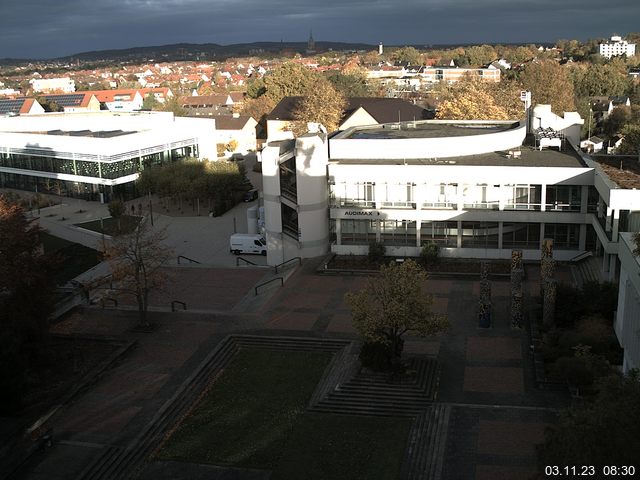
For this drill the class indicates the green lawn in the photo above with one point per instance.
(324, 446)
(72, 258)
(112, 226)
(254, 416)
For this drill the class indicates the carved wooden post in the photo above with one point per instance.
(549, 302)
(484, 305)
(517, 274)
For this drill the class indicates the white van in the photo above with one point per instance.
(247, 243)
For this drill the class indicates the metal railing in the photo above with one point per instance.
(248, 262)
(191, 260)
(268, 282)
(178, 302)
(287, 262)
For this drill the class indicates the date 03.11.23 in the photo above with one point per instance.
(607, 471)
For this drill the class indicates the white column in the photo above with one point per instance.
(616, 223)
(543, 197)
(584, 199)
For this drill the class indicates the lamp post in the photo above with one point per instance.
(150, 208)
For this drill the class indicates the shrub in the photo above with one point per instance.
(377, 252)
(429, 254)
(378, 355)
(116, 208)
(574, 371)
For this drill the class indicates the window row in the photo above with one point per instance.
(445, 234)
(449, 195)
(84, 168)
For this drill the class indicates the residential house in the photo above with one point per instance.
(74, 102)
(592, 144)
(360, 111)
(239, 128)
(121, 100)
(19, 106)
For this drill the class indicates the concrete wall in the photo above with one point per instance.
(627, 320)
(445, 147)
(311, 176)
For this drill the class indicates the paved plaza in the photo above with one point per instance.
(497, 413)
(497, 417)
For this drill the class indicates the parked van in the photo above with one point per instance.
(247, 243)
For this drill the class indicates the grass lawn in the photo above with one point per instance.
(112, 226)
(247, 416)
(254, 416)
(324, 446)
(74, 258)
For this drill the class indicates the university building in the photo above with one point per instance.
(478, 189)
(96, 155)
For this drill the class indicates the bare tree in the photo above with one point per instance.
(136, 262)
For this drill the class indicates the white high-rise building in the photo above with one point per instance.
(616, 47)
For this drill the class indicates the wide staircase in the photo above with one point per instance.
(587, 270)
(374, 393)
(344, 389)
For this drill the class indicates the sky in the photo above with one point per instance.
(55, 28)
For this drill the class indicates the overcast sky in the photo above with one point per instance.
(54, 28)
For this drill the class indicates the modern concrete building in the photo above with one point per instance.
(477, 189)
(627, 321)
(96, 155)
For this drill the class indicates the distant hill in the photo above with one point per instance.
(211, 51)
(214, 51)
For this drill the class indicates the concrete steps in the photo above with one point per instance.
(588, 270)
(426, 445)
(371, 393)
(121, 462)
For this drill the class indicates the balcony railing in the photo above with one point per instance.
(441, 205)
(562, 207)
(398, 205)
(482, 206)
(523, 206)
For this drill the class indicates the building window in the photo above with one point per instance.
(565, 235)
(521, 235)
(398, 195)
(290, 221)
(479, 234)
(481, 196)
(398, 232)
(564, 198)
(353, 195)
(357, 232)
(444, 234)
(442, 195)
(523, 197)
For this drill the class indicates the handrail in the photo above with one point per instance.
(289, 261)
(249, 262)
(268, 282)
(173, 305)
(191, 260)
(581, 256)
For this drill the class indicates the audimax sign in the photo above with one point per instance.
(361, 213)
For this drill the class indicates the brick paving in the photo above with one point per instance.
(497, 413)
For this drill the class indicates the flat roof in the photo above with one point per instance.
(427, 129)
(529, 157)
